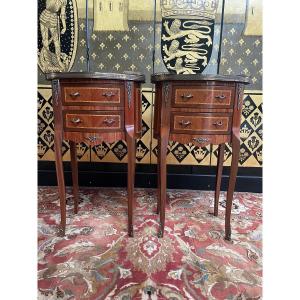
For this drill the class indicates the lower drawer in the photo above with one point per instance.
(203, 123)
(94, 138)
(93, 121)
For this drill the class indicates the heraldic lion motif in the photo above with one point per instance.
(187, 34)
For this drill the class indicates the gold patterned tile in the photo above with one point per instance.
(178, 154)
(251, 133)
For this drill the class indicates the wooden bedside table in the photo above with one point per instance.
(95, 107)
(199, 109)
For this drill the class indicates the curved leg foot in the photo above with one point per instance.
(130, 231)
(228, 235)
(160, 232)
(61, 231)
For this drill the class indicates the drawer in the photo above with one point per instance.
(206, 97)
(202, 123)
(94, 138)
(110, 95)
(93, 121)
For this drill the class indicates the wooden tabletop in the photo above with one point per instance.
(131, 76)
(198, 77)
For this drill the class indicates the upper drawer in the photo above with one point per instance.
(204, 123)
(93, 121)
(205, 97)
(107, 95)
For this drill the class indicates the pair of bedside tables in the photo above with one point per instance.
(97, 107)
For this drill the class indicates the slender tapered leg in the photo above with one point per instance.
(163, 144)
(74, 166)
(219, 177)
(134, 164)
(231, 186)
(60, 182)
(158, 179)
(130, 180)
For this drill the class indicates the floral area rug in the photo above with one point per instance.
(97, 260)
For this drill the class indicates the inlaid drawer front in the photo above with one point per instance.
(201, 123)
(219, 97)
(94, 138)
(102, 95)
(93, 121)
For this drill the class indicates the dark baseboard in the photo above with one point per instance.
(179, 177)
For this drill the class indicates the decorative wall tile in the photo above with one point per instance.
(146, 151)
(46, 130)
(242, 55)
(144, 145)
(251, 133)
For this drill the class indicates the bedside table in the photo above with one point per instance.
(199, 109)
(92, 108)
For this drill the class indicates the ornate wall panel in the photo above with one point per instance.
(57, 34)
(187, 34)
(130, 48)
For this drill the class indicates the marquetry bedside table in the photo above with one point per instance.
(95, 107)
(199, 109)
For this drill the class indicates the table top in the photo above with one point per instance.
(198, 77)
(126, 76)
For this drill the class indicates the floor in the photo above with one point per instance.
(96, 259)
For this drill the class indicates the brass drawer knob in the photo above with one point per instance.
(76, 94)
(187, 97)
(220, 97)
(185, 123)
(109, 122)
(108, 94)
(76, 120)
(219, 123)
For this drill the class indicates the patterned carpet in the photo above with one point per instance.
(96, 259)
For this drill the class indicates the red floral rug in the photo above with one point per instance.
(96, 259)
